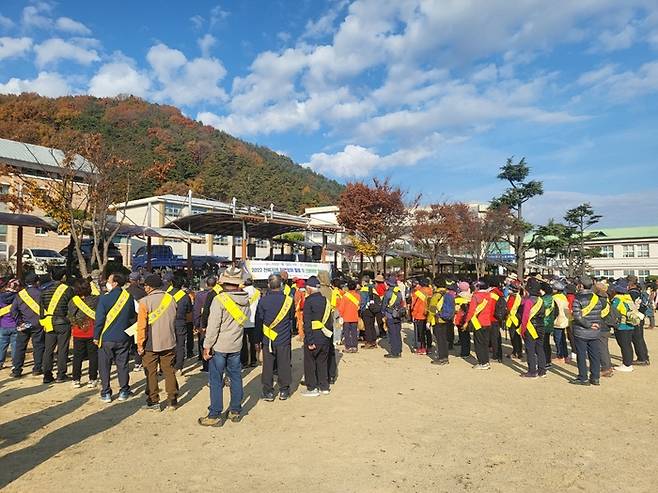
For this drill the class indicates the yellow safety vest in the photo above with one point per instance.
(217, 288)
(254, 297)
(394, 296)
(29, 301)
(84, 307)
(533, 313)
(478, 309)
(179, 295)
(268, 330)
(512, 317)
(336, 296)
(154, 315)
(5, 310)
(232, 308)
(322, 324)
(590, 306)
(94, 289)
(114, 313)
(47, 321)
(352, 298)
(286, 290)
(419, 294)
(435, 307)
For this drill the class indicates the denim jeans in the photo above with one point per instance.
(588, 349)
(7, 338)
(38, 345)
(216, 367)
(560, 338)
(394, 334)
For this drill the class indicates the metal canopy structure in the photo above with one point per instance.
(24, 220)
(165, 233)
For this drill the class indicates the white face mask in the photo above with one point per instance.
(109, 286)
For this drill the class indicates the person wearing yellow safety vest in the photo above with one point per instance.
(248, 354)
(532, 329)
(479, 318)
(326, 291)
(348, 310)
(590, 312)
(337, 292)
(53, 311)
(370, 309)
(318, 339)
(420, 298)
(8, 322)
(200, 311)
(115, 312)
(562, 320)
(462, 302)
(221, 347)
(26, 311)
(82, 312)
(624, 309)
(513, 321)
(184, 334)
(440, 317)
(274, 321)
(393, 306)
(156, 341)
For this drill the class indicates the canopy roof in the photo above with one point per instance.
(26, 220)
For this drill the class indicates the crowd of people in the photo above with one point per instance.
(157, 322)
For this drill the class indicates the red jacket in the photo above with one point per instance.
(486, 315)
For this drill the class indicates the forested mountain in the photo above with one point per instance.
(183, 153)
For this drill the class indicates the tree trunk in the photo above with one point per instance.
(520, 252)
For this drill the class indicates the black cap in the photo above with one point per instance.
(153, 281)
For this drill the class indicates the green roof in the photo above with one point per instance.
(624, 233)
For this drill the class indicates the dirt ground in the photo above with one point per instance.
(388, 425)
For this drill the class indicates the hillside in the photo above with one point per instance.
(208, 161)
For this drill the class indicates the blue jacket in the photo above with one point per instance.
(387, 310)
(23, 313)
(267, 310)
(126, 317)
(314, 307)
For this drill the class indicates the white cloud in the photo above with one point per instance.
(217, 14)
(197, 21)
(71, 26)
(6, 22)
(186, 81)
(13, 47)
(614, 41)
(119, 77)
(34, 15)
(55, 49)
(620, 87)
(49, 84)
(206, 44)
(325, 24)
(597, 75)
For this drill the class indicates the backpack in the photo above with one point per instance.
(500, 310)
(375, 305)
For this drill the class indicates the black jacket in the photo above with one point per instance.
(314, 308)
(60, 315)
(268, 308)
(582, 324)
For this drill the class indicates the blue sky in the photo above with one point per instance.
(434, 94)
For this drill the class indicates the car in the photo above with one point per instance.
(87, 246)
(41, 259)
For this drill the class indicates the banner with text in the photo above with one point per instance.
(261, 269)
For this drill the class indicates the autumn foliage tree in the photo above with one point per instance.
(377, 215)
(483, 232)
(440, 229)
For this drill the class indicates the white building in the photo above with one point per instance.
(626, 251)
(160, 210)
(324, 216)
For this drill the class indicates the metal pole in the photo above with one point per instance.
(384, 262)
(324, 246)
(19, 253)
(404, 267)
(244, 241)
(149, 267)
(190, 267)
(361, 264)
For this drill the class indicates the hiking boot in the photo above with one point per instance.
(173, 405)
(607, 373)
(106, 399)
(284, 395)
(234, 416)
(37, 373)
(61, 379)
(211, 421)
(594, 381)
(124, 396)
(641, 363)
(76, 384)
(15, 374)
(269, 397)
(48, 379)
(152, 406)
(578, 381)
(392, 355)
(440, 361)
(528, 375)
(92, 384)
(311, 393)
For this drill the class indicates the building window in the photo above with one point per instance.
(629, 251)
(199, 210)
(237, 240)
(261, 244)
(221, 240)
(608, 273)
(40, 232)
(642, 250)
(607, 251)
(629, 273)
(642, 275)
(172, 210)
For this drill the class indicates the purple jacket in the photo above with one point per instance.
(7, 321)
(23, 313)
(197, 310)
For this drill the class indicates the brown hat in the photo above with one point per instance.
(232, 275)
(379, 278)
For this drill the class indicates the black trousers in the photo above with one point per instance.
(119, 354)
(548, 350)
(534, 349)
(481, 338)
(248, 351)
(85, 348)
(181, 339)
(380, 324)
(441, 336)
(281, 354)
(496, 341)
(517, 342)
(332, 367)
(315, 367)
(38, 346)
(58, 338)
(465, 343)
(625, 341)
(450, 334)
(200, 338)
(189, 340)
(419, 333)
(369, 323)
(640, 344)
